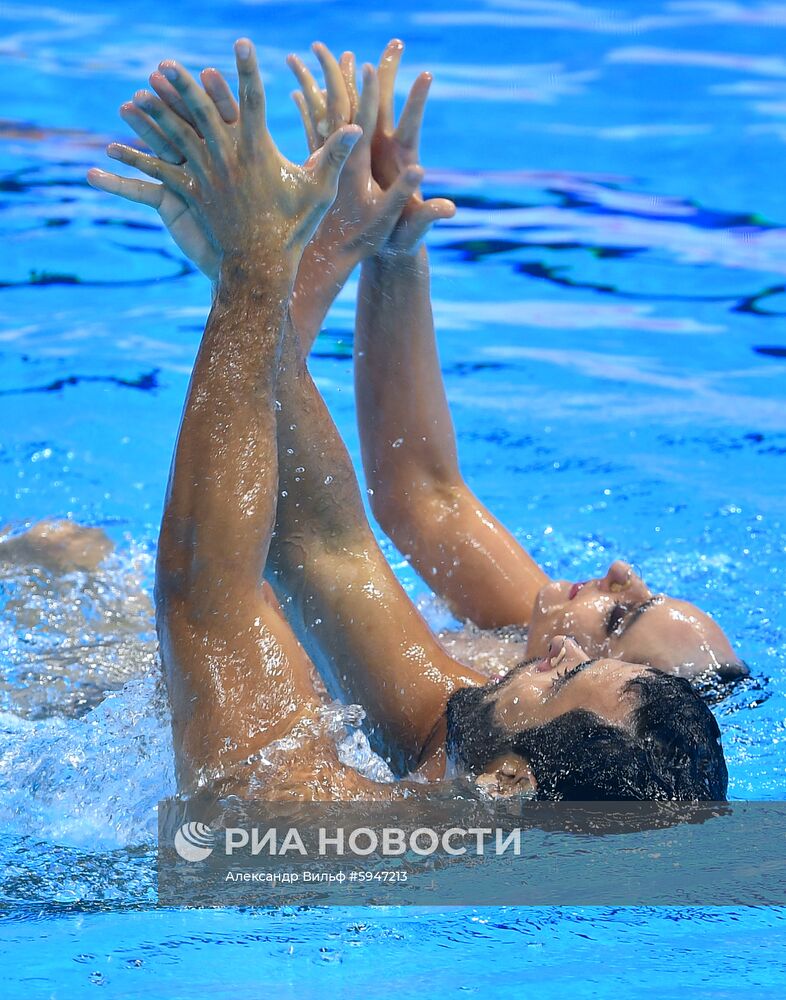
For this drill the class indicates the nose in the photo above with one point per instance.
(563, 652)
(620, 577)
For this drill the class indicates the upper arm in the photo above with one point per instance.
(369, 639)
(237, 680)
(462, 552)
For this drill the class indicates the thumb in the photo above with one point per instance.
(411, 230)
(440, 208)
(392, 205)
(330, 160)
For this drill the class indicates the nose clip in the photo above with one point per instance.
(619, 576)
(558, 650)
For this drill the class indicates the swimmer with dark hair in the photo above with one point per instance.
(416, 489)
(418, 495)
(266, 563)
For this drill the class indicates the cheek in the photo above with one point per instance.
(642, 647)
(586, 627)
(541, 628)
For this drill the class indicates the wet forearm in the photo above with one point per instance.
(406, 432)
(221, 499)
(321, 276)
(342, 597)
(409, 454)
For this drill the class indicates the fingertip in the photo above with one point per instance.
(442, 208)
(156, 79)
(350, 135)
(368, 71)
(413, 175)
(243, 49)
(395, 43)
(169, 69)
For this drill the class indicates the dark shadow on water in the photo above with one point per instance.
(147, 382)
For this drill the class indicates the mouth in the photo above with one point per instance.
(575, 588)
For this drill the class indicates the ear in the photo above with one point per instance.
(507, 775)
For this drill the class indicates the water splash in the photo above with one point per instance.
(85, 739)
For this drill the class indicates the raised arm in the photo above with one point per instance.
(418, 494)
(219, 631)
(341, 596)
(335, 583)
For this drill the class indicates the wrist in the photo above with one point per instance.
(262, 270)
(325, 264)
(392, 263)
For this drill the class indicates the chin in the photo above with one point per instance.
(551, 595)
(537, 642)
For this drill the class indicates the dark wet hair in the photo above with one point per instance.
(729, 673)
(671, 751)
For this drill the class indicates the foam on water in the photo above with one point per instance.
(85, 738)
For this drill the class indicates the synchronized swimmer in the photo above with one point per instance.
(267, 567)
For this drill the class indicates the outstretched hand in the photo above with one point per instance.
(227, 190)
(364, 214)
(394, 147)
(378, 208)
(183, 223)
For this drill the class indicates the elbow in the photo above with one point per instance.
(395, 507)
(403, 513)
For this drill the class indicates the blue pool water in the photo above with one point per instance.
(610, 299)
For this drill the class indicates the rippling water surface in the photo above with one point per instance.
(610, 299)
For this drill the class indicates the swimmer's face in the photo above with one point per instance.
(617, 616)
(537, 692)
(563, 680)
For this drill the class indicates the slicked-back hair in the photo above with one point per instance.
(671, 751)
